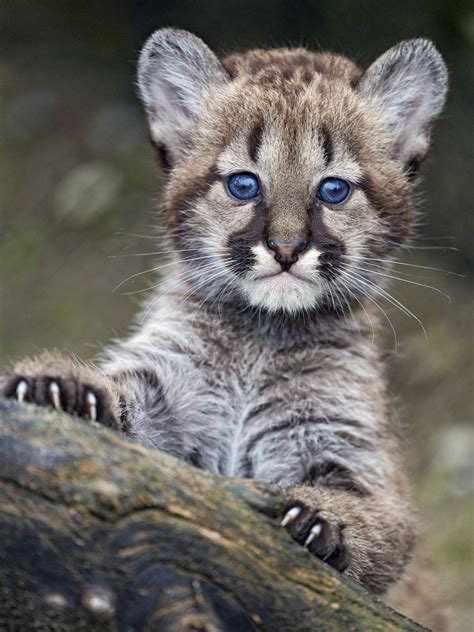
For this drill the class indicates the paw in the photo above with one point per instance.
(64, 386)
(322, 536)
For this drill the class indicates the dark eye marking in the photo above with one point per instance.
(240, 244)
(327, 144)
(196, 186)
(334, 190)
(255, 140)
(243, 186)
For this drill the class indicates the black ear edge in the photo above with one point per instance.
(163, 157)
(412, 167)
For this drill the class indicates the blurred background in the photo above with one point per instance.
(78, 186)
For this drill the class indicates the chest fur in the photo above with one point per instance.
(279, 415)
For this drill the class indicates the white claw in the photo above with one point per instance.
(314, 533)
(290, 515)
(21, 389)
(91, 401)
(55, 392)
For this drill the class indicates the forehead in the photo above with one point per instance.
(290, 64)
(290, 129)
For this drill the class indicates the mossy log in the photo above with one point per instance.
(101, 533)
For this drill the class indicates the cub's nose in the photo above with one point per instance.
(286, 250)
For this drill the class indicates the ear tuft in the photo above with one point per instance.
(176, 70)
(409, 82)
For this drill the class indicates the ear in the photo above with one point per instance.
(176, 70)
(409, 82)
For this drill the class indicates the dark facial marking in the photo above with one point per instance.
(240, 243)
(394, 209)
(331, 248)
(196, 186)
(327, 145)
(240, 253)
(255, 140)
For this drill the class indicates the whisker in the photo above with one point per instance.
(221, 295)
(388, 268)
(328, 287)
(183, 273)
(195, 289)
(445, 248)
(160, 267)
(451, 237)
(399, 263)
(340, 295)
(362, 306)
(357, 287)
(391, 299)
(123, 234)
(389, 276)
(161, 252)
(186, 276)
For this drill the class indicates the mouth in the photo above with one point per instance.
(283, 279)
(288, 291)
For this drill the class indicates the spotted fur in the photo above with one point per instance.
(247, 370)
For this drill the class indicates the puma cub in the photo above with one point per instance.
(290, 179)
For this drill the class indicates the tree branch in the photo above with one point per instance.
(101, 533)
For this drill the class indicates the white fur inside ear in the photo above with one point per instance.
(409, 83)
(176, 70)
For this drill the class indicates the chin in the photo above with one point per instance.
(282, 293)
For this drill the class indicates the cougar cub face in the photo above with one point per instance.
(286, 167)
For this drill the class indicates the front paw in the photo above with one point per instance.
(62, 385)
(319, 533)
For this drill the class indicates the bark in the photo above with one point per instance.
(101, 533)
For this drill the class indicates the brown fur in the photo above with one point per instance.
(298, 66)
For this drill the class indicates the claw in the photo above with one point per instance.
(290, 515)
(54, 391)
(314, 532)
(21, 389)
(91, 404)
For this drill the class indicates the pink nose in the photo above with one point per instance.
(286, 250)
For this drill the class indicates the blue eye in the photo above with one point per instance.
(334, 190)
(243, 186)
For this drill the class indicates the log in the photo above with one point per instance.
(99, 532)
